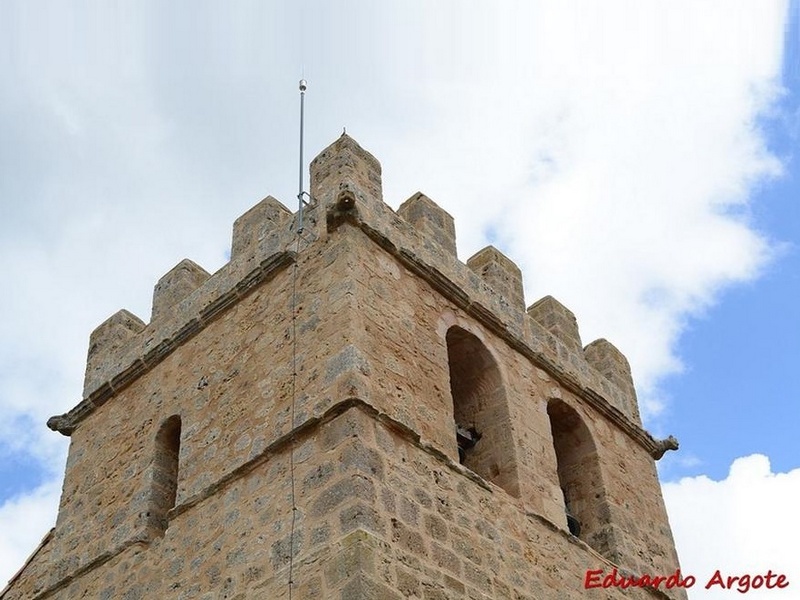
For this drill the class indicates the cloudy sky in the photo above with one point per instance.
(637, 159)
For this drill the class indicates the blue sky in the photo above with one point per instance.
(638, 162)
(740, 390)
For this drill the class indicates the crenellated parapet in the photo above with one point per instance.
(612, 364)
(107, 342)
(259, 229)
(185, 300)
(177, 284)
(344, 165)
(558, 320)
(429, 219)
(346, 188)
(501, 274)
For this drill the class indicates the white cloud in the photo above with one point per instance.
(744, 524)
(613, 148)
(24, 520)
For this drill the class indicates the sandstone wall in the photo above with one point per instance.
(380, 516)
(364, 433)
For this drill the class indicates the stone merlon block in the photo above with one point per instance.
(256, 225)
(110, 335)
(432, 221)
(345, 162)
(558, 320)
(612, 364)
(501, 274)
(179, 282)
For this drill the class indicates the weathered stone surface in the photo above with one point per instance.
(430, 220)
(345, 164)
(558, 320)
(502, 275)
(258, 227)
(174, 286)
(318, 396)
(612, 364)
(106, 340)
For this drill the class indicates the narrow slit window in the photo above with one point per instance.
(165, 473)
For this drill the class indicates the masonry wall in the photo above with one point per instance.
(403, 340)
(381, 516)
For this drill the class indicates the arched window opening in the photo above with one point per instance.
(164, 488)
(579, 476)
(480, 411)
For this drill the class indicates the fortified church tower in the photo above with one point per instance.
(351, 413)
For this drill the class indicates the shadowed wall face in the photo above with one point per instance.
(580, 478)
(164, 483)
(480, 406)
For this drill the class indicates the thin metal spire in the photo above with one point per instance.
(300, 202)
(300, 191)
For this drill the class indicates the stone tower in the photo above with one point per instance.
(351, 413)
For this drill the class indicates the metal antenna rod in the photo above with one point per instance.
(303, 86)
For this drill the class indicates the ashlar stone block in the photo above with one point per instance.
(612, 364)
(345, 164)
(501, 274)
(180, 281)
(558, 320)
(431, 220)
(253, 227)
(111, 335)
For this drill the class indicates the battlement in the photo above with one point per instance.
(346, 187)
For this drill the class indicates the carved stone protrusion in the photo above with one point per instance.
(558, 320)
(500, 273)
(345, 161)
(345, 205)
(669, 443)
(612, 364)
(106, 339)
(431, 220)
(175, 285)
(254, 226)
